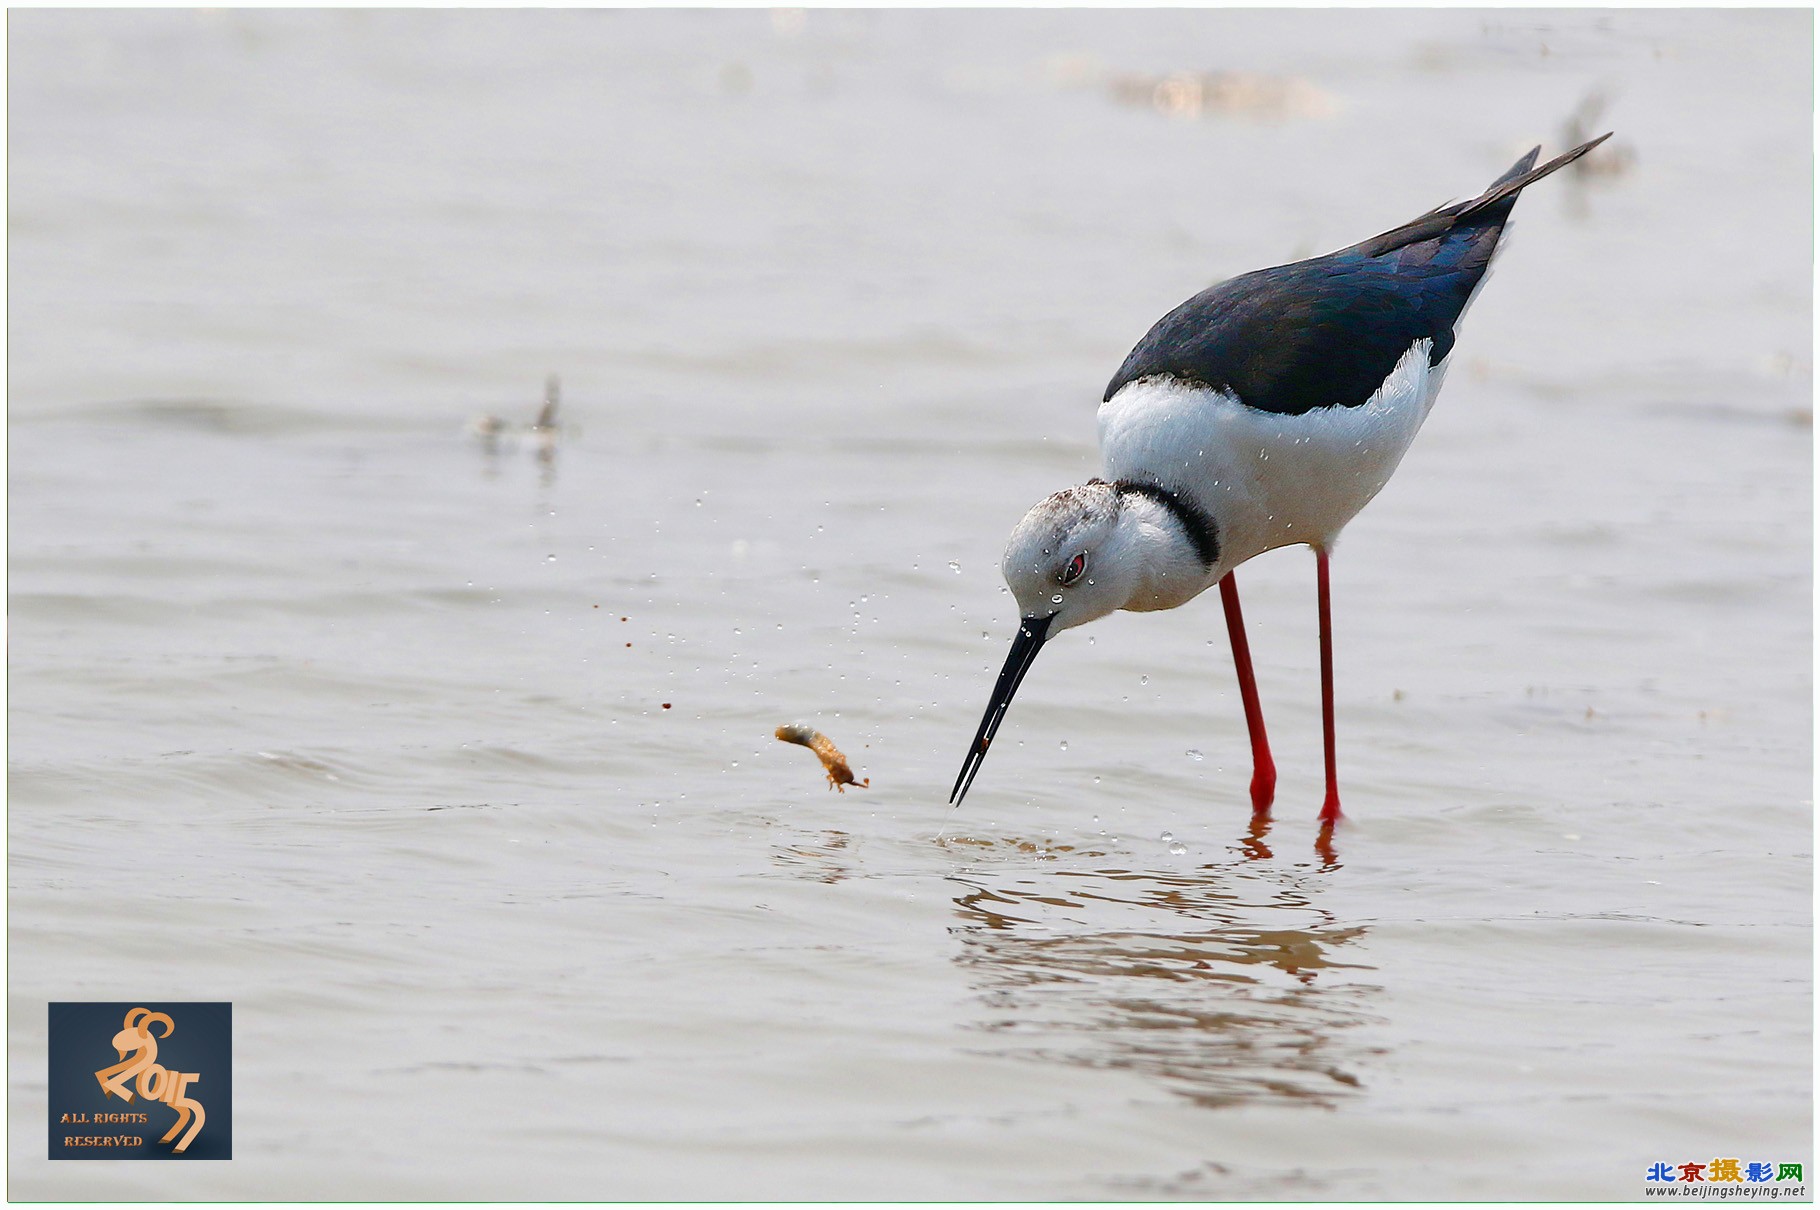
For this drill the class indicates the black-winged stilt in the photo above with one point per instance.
(1263, 412)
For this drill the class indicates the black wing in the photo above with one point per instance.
(1328, 331)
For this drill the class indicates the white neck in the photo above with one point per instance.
(1151, 540)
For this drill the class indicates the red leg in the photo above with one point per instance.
(1263, 769)
(1330, 810)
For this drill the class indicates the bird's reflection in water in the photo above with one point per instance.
(1254, 844)
(1226, 983)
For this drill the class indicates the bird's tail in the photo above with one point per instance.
(1489, 207)
(1521, 176)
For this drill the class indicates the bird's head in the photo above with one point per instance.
(1063, 561)
(1077, 556)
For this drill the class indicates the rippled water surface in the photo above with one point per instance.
(449, 761)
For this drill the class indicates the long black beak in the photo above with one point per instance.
(1031, 634)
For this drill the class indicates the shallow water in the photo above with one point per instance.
(452, 766)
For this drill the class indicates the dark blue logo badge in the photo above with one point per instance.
(145, 1081)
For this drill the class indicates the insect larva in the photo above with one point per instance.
(840, 774)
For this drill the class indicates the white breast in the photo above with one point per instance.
(1267, 479)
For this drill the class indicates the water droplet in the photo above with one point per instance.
(1090, 640)
(549, 558)
(1178, 848)
(954, 566)
(1057, 598)
(1195, 754)
(1168, 837)
(1064, 745)
(1143, 680)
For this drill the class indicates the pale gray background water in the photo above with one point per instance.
(318, 707)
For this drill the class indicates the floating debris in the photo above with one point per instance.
(493, 432)
(488, 429)
(544, 429)
(840, 774)
(552, 397)
(1191, 94)
(1618, 158)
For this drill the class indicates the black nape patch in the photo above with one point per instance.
(1195, 521)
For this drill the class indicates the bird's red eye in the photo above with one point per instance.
(1075, 567)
